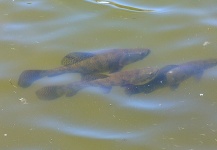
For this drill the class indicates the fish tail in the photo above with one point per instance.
(27, 77)
(50, 92)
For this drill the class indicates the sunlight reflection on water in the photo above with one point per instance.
(35, 35)
(51, 123)
(129, 7)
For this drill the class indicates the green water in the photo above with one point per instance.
(37, 34)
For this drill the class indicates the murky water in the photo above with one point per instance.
(37, 34)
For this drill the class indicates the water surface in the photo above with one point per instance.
(37, 34)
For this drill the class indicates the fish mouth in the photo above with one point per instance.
(144, 52)
(147, 51)
(139, 53)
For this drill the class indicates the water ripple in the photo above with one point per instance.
(122, 6)
(80, 130)
(150, 105)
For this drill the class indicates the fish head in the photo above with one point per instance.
(176, 75)
(189, 69)
(133, 55)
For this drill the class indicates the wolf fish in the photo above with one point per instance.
(172, 76)
(85, 63)
(159, 81)
(184, 71)
(122, 78)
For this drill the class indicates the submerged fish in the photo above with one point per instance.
(184, 71)
(85, 63)
(123, 78)
(172, 76)
(159, 81)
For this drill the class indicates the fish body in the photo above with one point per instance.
(123, 78)
(109, 60)
(186, 70)
(137, 76)
(172, 76)
(159, 81)
(86, 63)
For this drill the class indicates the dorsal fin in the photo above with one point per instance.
(75, 57)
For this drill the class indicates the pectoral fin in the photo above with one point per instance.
(75, 57)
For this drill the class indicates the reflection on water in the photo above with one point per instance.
(36, 35)
(151, 105)
(88, 131)
(122, 6)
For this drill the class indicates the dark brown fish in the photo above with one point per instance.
(186, 70)
(123, 78)
(172, 76)
(86, 63)
(159, 81)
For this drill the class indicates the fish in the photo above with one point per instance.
(158, 82)
(106, 82)
(186, 70)
(172, 75)
(111, 60)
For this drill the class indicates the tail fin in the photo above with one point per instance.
(27, 77)
(50, 92)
